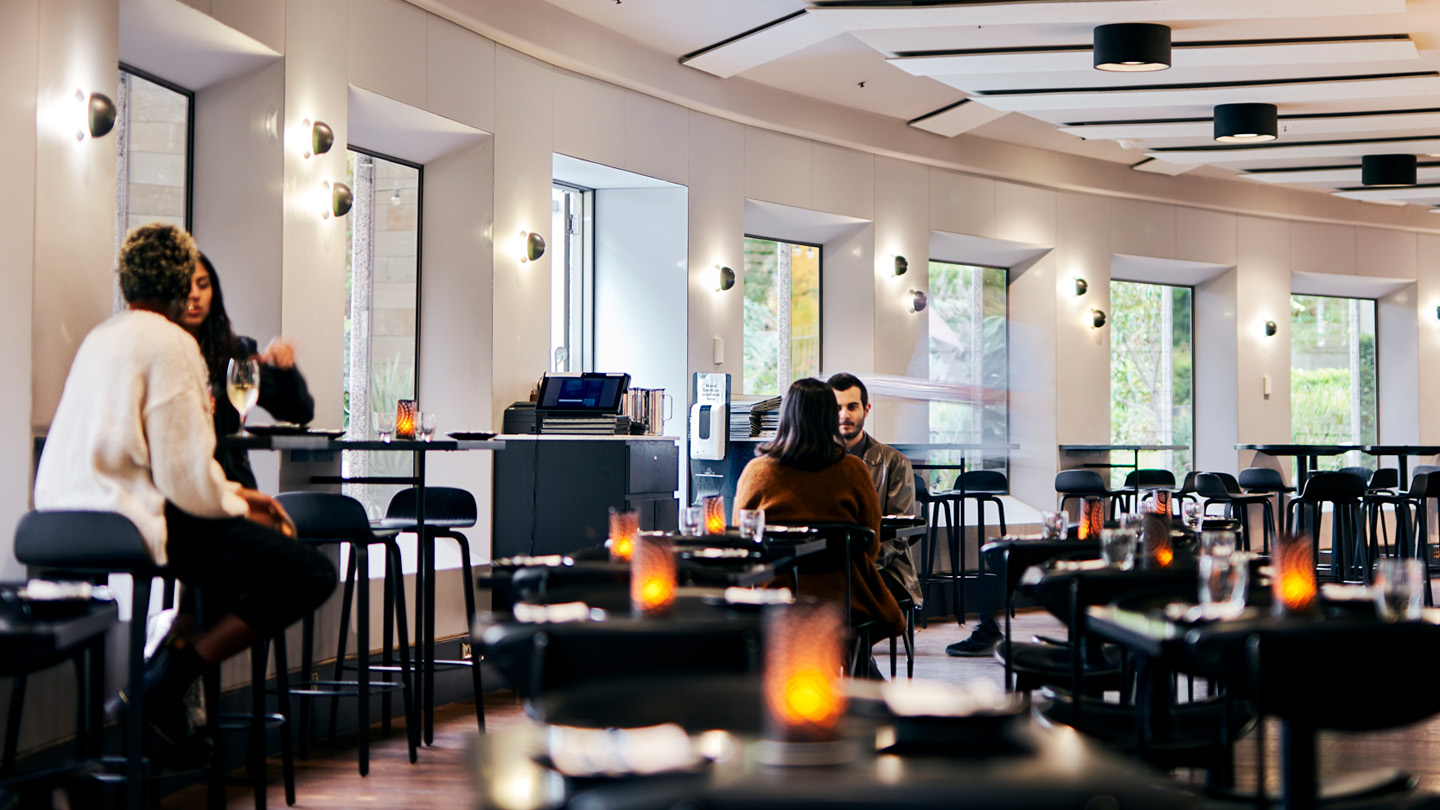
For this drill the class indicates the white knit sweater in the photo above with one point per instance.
(134, 430)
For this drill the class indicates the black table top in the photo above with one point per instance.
(1101, 448)
(1402, 449)
(1299, 449)
(27, 637)
(321, 442)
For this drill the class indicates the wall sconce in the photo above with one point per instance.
(901, 265)
(1081, 286)
(624, 527)
(339, 201)
(1271, 329)
(1097, 318)
(322, 137)
(97, 115)
(533, 247)
(1132, 47)
(918, 300)
(724, 278)
(1437, 313)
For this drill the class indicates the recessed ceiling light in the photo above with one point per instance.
(1246, 123)
(1388, 170)
(1132, 47)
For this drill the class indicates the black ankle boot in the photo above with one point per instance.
(169, 736)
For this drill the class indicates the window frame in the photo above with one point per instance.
(1194, 349)
(820, 307)
(1375, 318)
(125, 67)
(586, 239)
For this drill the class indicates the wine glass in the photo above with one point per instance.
(242, 386)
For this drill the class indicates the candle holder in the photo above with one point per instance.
(624, 527)
(1092, 519)
(714, 520)
(1160, 502)
(405, 419)
(1159, 548)
(1294, 579)
(652, 576)
(804, 695)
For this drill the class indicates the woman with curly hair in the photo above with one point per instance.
(805, 475)
(133, 435)
(282, 388)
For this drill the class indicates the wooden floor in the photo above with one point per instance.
(329, 779)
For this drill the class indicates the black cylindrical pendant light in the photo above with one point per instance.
(1132, 47)
(1388, 170)
(1246, 123)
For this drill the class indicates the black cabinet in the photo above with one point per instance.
(553, 495)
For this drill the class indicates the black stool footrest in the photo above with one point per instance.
(244, 722)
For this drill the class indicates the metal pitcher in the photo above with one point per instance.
(650, 406)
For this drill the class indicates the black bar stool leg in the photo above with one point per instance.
(345, 604)
(307, 676)
(255, 761)
(407, 680)
(469, 591)
(362, 651)
(282, 704)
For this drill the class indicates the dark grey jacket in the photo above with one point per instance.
(895, 483)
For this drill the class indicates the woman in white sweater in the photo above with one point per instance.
(133, 434)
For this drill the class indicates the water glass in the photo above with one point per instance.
(385, 426)
(690, 519)
(752, 524)
(1053, 525)
(1218, 543)
(1117, 546)
(1224, 584)
(1193, 514)
(427, 426)
(1398, 588)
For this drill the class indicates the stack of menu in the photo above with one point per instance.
(752, 417)
(596, 425)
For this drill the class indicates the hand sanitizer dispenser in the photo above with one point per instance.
(708, 424)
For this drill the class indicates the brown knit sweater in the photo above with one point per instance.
(840, 493)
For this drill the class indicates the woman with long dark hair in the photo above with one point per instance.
(805, 475)
(283, 392)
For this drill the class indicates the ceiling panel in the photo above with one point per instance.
(1203, 130)
(1280, 151)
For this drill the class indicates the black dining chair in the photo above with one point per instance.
(1411, 538)
(1079, 485)
(933, 506)
(324, 518)
(983, 487)
(1349, 550)
(447, 511)
(1142, 479)
(1222, 488)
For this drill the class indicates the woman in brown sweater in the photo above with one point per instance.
(805, 475)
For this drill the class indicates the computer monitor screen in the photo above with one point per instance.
(597, 393)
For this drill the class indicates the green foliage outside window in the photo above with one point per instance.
(1333, 374)
(1151, 360)
(762, 320)
(969, 344)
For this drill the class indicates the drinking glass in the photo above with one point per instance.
(1117, 546)
(242, 386)
(690, 518)
(1053, 525)
(427, 426)
(385, 426)
(1218, 543)
(1398, 588)
(1193, 514)
(1224, 584)
(752, 524)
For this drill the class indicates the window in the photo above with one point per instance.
(572, 289)
(1151, 373)
(969, 347)
(154, 132)
(381, 316)
(1332, 374)
(782, 315)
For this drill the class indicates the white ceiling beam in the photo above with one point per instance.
(1183, 57)
(1291, 128)
(957, 118)
(1024, 12)
(1258, 154)
(1401, 193)
(763, 45)
(1210, 96)
(1165, 167)
(1332, 178)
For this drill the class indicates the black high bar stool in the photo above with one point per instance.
(933, 505)
(1079, 485)
(981, 486)
(322, 518)
(1411, 539)
(447, 510)
(1347, 531)
(1222, 488)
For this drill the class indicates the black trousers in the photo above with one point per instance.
(268, 580)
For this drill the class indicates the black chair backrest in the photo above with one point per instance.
(1425, 468)
(1149, 478)
(922, 489)
(1277, 666)
(1211, 485)
(1261, 479)
(1385, 478)
(843, 541)
(1080, 482)
(987, 482)
(325, 515)
(1425, 485)
(448, 504)
(1364, 473)
(1026, 553)
(1333, 486)
(1188, 485)
(93, 542)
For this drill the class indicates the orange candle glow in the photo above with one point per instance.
(1161, 504)
(1294, 578)
(804, 695)
(624, 526)
(405, 419)
(1092, 518)
(652, 576)
(1159, 550)
(714, 506)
